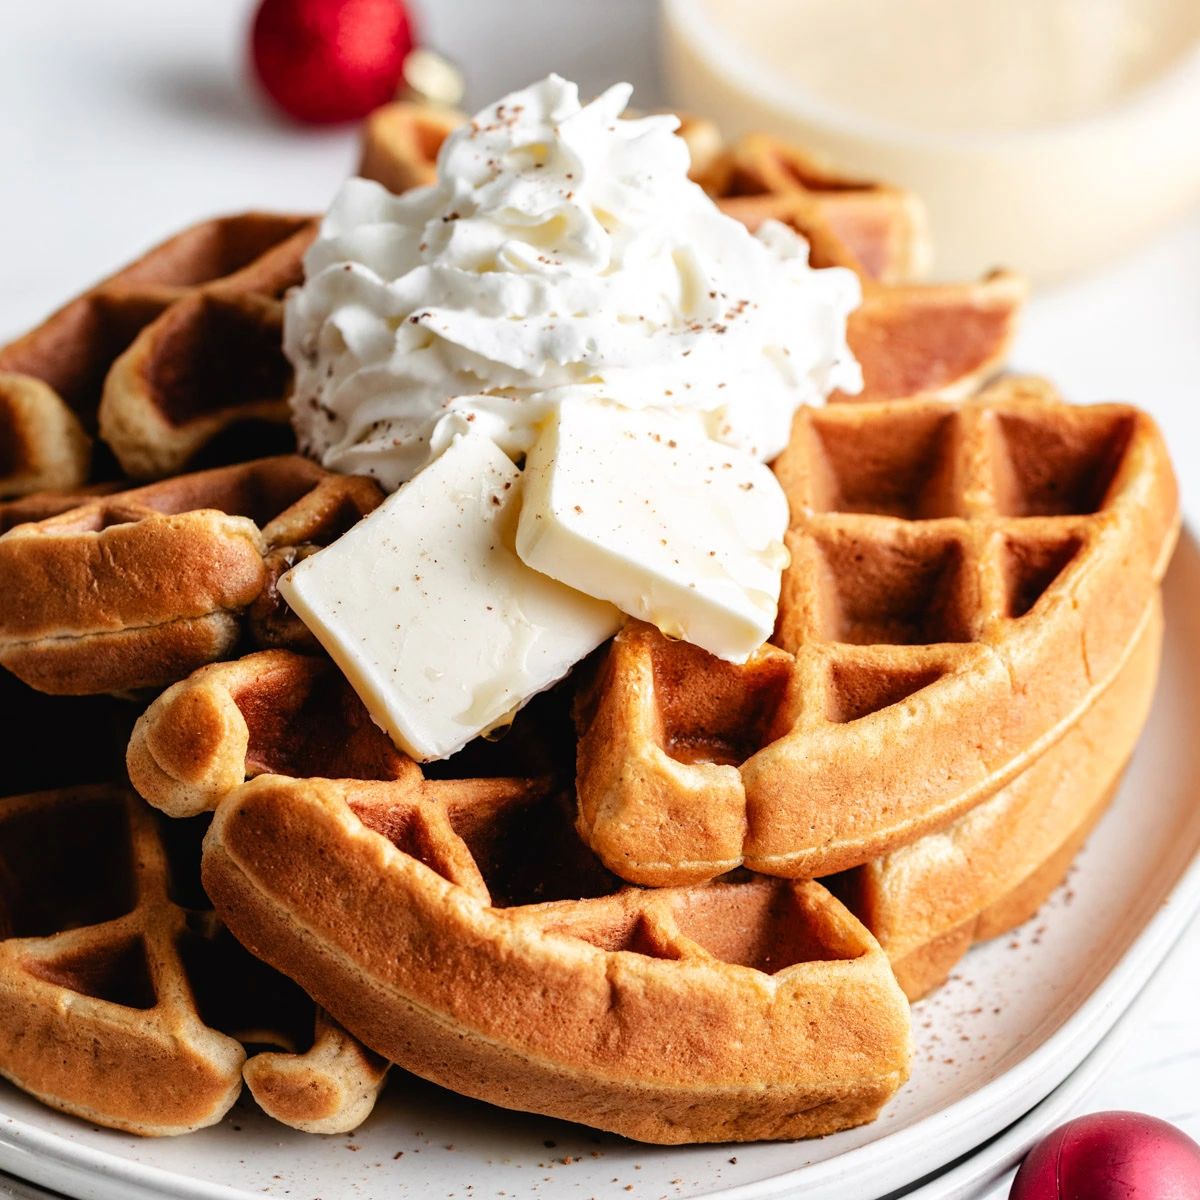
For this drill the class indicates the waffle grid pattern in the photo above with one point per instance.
(162, 356)
(967, 543)
(470, 833)
(122, 993)
(883, 228)
(945, 559)
(784, 1017)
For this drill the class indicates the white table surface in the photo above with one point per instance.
(124, 120)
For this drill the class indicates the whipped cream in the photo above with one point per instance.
(562, 252)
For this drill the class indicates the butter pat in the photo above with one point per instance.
(433, 618)
(638, 507)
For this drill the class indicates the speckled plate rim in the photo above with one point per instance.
(877, 1168)
(995, 1163)
(973, 1178)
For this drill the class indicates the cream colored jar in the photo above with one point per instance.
(1045, 135)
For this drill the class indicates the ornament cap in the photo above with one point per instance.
(430, 78)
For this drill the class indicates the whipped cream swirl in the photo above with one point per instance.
(562, 250)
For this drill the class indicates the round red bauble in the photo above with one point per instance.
(1111, 1156)
(324, 61)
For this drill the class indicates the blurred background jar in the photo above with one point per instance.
(1045, 135)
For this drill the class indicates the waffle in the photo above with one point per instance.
(138, 588)
(400, 143)
(939, 340)
(942, 340)
(992, 869)
(162, 357)
(271, 712)
(42, 443)
(550, 977)
(884, 227)
(281, 713)
(965, 579)
(86, 927)
(733, 1011)
(124, 1001)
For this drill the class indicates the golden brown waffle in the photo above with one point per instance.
(400, 143)
(670, 1016)
(139, 588)
(281, 713)
(42, 443)
(82, 925)
(965, 579)
(883, 227)
(941, 340)
(162, 356)
(992, 869)
(272, 712)
(458, 928)
(124, 1001)
(944, 340)
(937, 340)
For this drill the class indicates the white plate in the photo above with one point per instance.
(988, 1172)
(973, 1178)
(1018, 1016)
(992, 1164)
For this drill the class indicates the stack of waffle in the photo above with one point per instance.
(682, 900)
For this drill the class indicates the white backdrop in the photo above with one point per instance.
(122, 120)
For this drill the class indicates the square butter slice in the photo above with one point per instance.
(433, 618)
(640, 508)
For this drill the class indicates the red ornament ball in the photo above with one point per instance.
(324, 61)
(1111, 1156)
